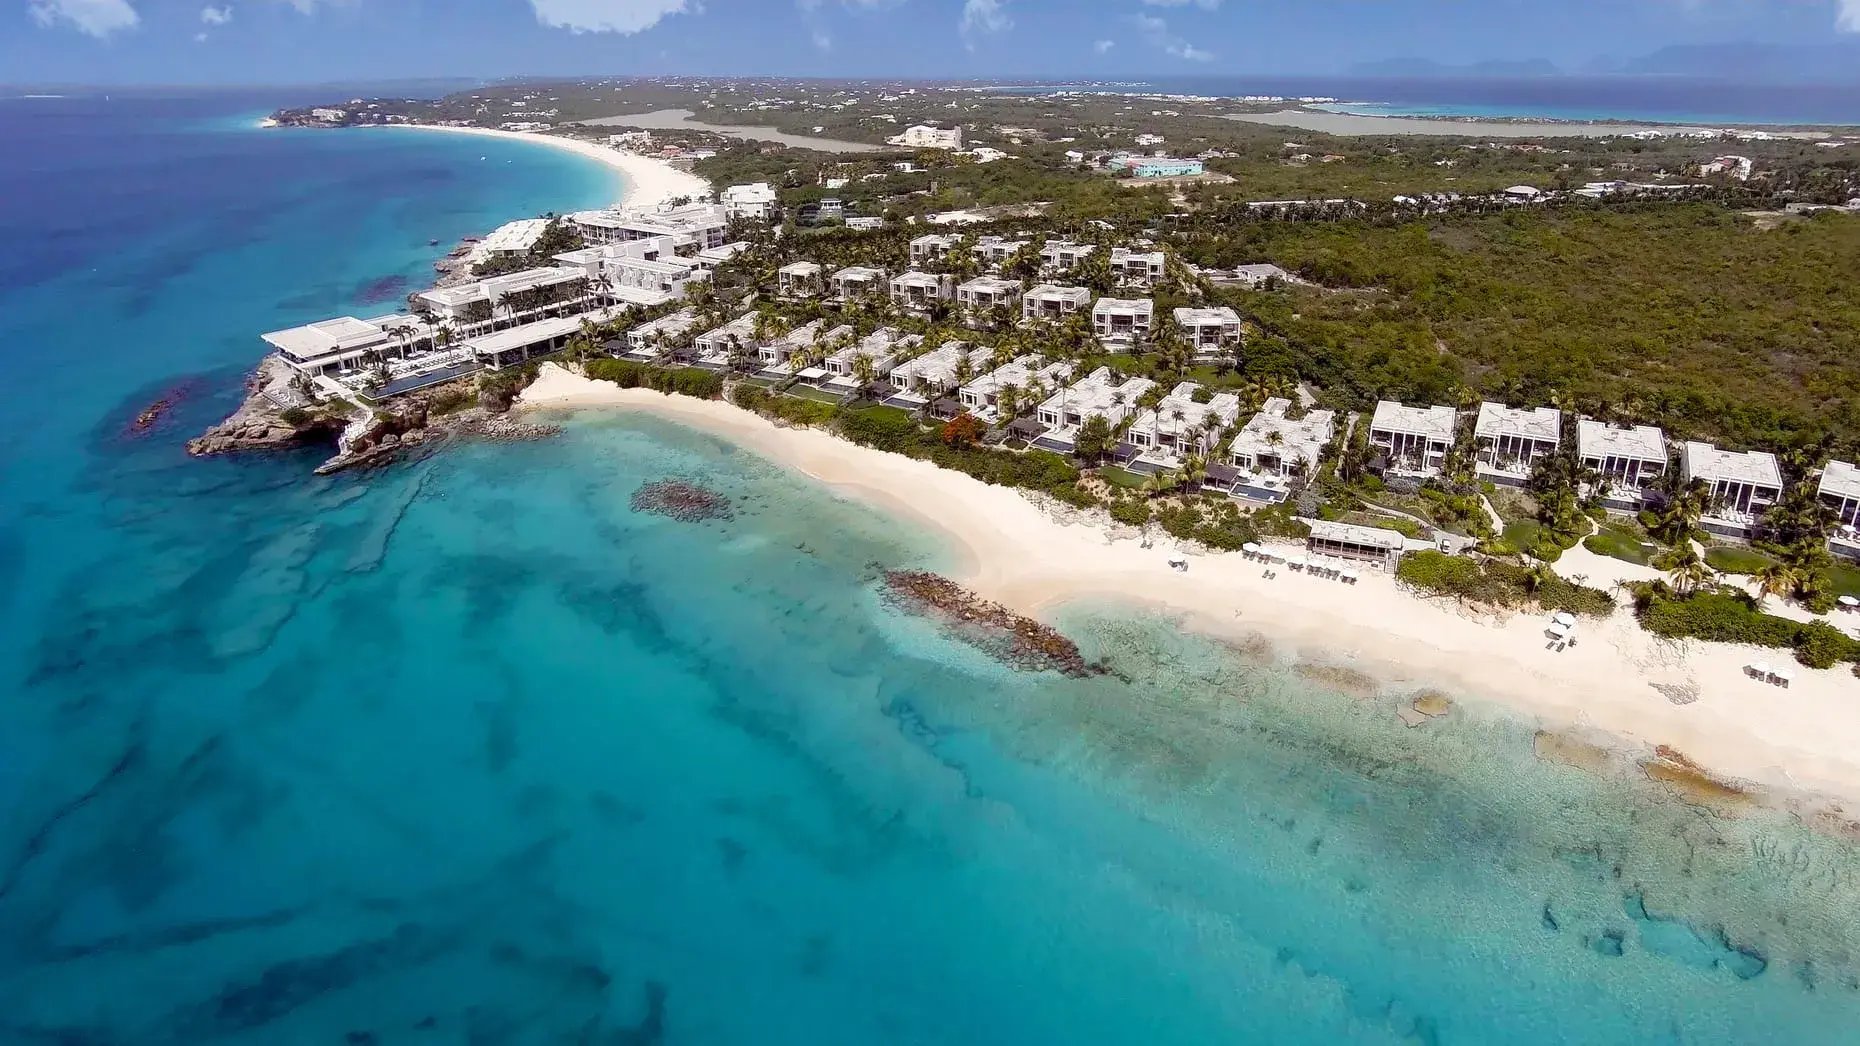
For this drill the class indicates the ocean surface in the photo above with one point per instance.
(468, 751)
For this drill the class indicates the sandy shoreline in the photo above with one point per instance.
(1805, 739)
(645, 182)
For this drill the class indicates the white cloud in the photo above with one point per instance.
(200, 38)
(1156, 31)
(1103, 46)
(1847, 19)
(216, 15)
(98, 18)
(822, 41)
(983, 18)
(604, 16)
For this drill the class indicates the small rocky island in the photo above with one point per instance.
(1012, 639)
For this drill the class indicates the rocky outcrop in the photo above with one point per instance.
(1015, 640)
(260, 424)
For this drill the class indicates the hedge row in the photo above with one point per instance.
(685, 381)
(1732, 617)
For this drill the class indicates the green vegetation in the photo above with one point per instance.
(789, 409)
(1736, 559)
(450, 400)
(1497, 583)
(685, 381)
(1619, 542)
(889, 429)
(1727, 616)
(1121, 477)
(1211, 520)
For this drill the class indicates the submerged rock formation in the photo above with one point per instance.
(682, 501)
(1011, 638)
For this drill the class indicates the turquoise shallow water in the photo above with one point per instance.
(468, 751)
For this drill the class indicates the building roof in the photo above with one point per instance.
(326, 338)
(990, 284)
(918, 279)
(1432, 422)
(1537, 423)
(1206, 317)
(1302, 439)
(1120, 255)
(1019, 372)
(1354, 534)
(1096, 394)
(1841, 479)
(1056, 292)
(1224, 407)
(672, 324)
(800, 268)
(511, 238)
(1595, 439)
(938, 366)
(1143, 306)
(936, 239)
(1704, 461)
(864, 272)
(528, 334)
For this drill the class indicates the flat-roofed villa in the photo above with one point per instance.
(802, 279)
(710, 258)
(935, 373)
(692, 227)
(1098, 394)
(1121, 323)
(1064, 255)
(858, 283)
(885, 348)
(1138, 268)
(756, 200)
(1177, 426)
(1374, 546)
(1274, 452)
(975, 297)
(1212, 333)
(1052, 302)
(1510, 440)
(468, 305)
(1839, 492)
(995, 251)
(1627, 459)
(517, 237)
(782, 357)
(932, 246)
(1744, 484)
(655, 339)
(647, 282)
(1414, 440)
(922, 290)
(513, 346)
(716, 348)
(982, 397)
(344, 343)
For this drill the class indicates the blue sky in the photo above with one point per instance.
(289, 41)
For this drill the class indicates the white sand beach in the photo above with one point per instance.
(1618, 679)
(648, 181)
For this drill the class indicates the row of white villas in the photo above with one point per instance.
(936, 373)
(1027, 375)
(655, 339)
(1098, 394)
(883, 350)
(1129, 266)
(1179, 425)
(779, 356)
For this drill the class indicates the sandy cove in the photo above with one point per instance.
(1805, 739)
(649, 181)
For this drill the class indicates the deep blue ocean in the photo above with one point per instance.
(467, 751)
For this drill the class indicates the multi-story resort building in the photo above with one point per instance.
(1162, 167)
(1059, 256)
(922, 291)
(982, 397)
(333, 346)
(994, 251)
(1213, 334)
(692, 227)
(1627, 460)
(717, 349)
(779, 358)
(1744, 485)
(656, 339)
(924, 136)
(1510, 440)
(756, 201)
(512, 346)
(518, 237)
(1120, 323)
(1274, 452)
(1414, 441)
(512, 296)
(1096, 395)
(802, 279)
(858, 283)
(884, 349)
(976, 297)
(710, 258)
(1177, 426)
(1137, 268)
(932, 247)
(1051, 303)
(935, 373)
(648, 281)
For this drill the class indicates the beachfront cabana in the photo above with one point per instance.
(1372, 545)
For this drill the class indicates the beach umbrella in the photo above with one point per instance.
(1558, 630)
(1564, 617)
(1782, 675)
(1848, 601)
(1253, 546)
(1761, 668)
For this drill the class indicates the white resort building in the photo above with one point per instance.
(1059, 256)
(654, 339)
(1510, 440)
(518, 237)
(1052, 303)
(1627, 460)
(1274, 451)
(982, 397)
(1415, 441)
(922, 291)
(1120, 323)
(1180, 424)
(883, 349)
(692, 227)
(994, 251)
(858, 283)
(924, 136)
(1212, 334)
(779, 357)
(976, 297)
(756, 201)
(935, 373)
(932, 246)
(345, 343)
(1839, 490)
(1374, 546)
(1744, 485)
(1096, 395)
(512, 296)
(1137, 268)
(802, 279)
(717, 348)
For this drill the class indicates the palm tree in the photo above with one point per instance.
(1686, 567)
(864, 370)
(1776, 579)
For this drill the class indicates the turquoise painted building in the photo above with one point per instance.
(1163, 167)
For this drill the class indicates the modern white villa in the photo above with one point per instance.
(1138, 268)
(1414, 441)
(716, 348)
(924, 136)
(1839, 490)
(330, 347)
(884, 348)
(692, 227)
(936, 373)
(1059, 256)
(994, 251)
(858, 283)
(1122, 323)
(977, 296)
(1027, 375)
(1213, 334)
(518, 237)
(1627, 459)
(512, 296)
(1052, 302)
(1098, 394)
(654, 339)
(1744, 485)
(781, 357)
(756, 201)
(802, 279)
(921, 291)
(512, 346)
(1510, 440)
(932, 246)
(1180, 424)
(1274, 452)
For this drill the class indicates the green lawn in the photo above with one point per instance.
(1404, 527)
(809, 392)
(1736, 559)
(1120, 477)
(1844, 579)
(1618, 542)
(1523, 534)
